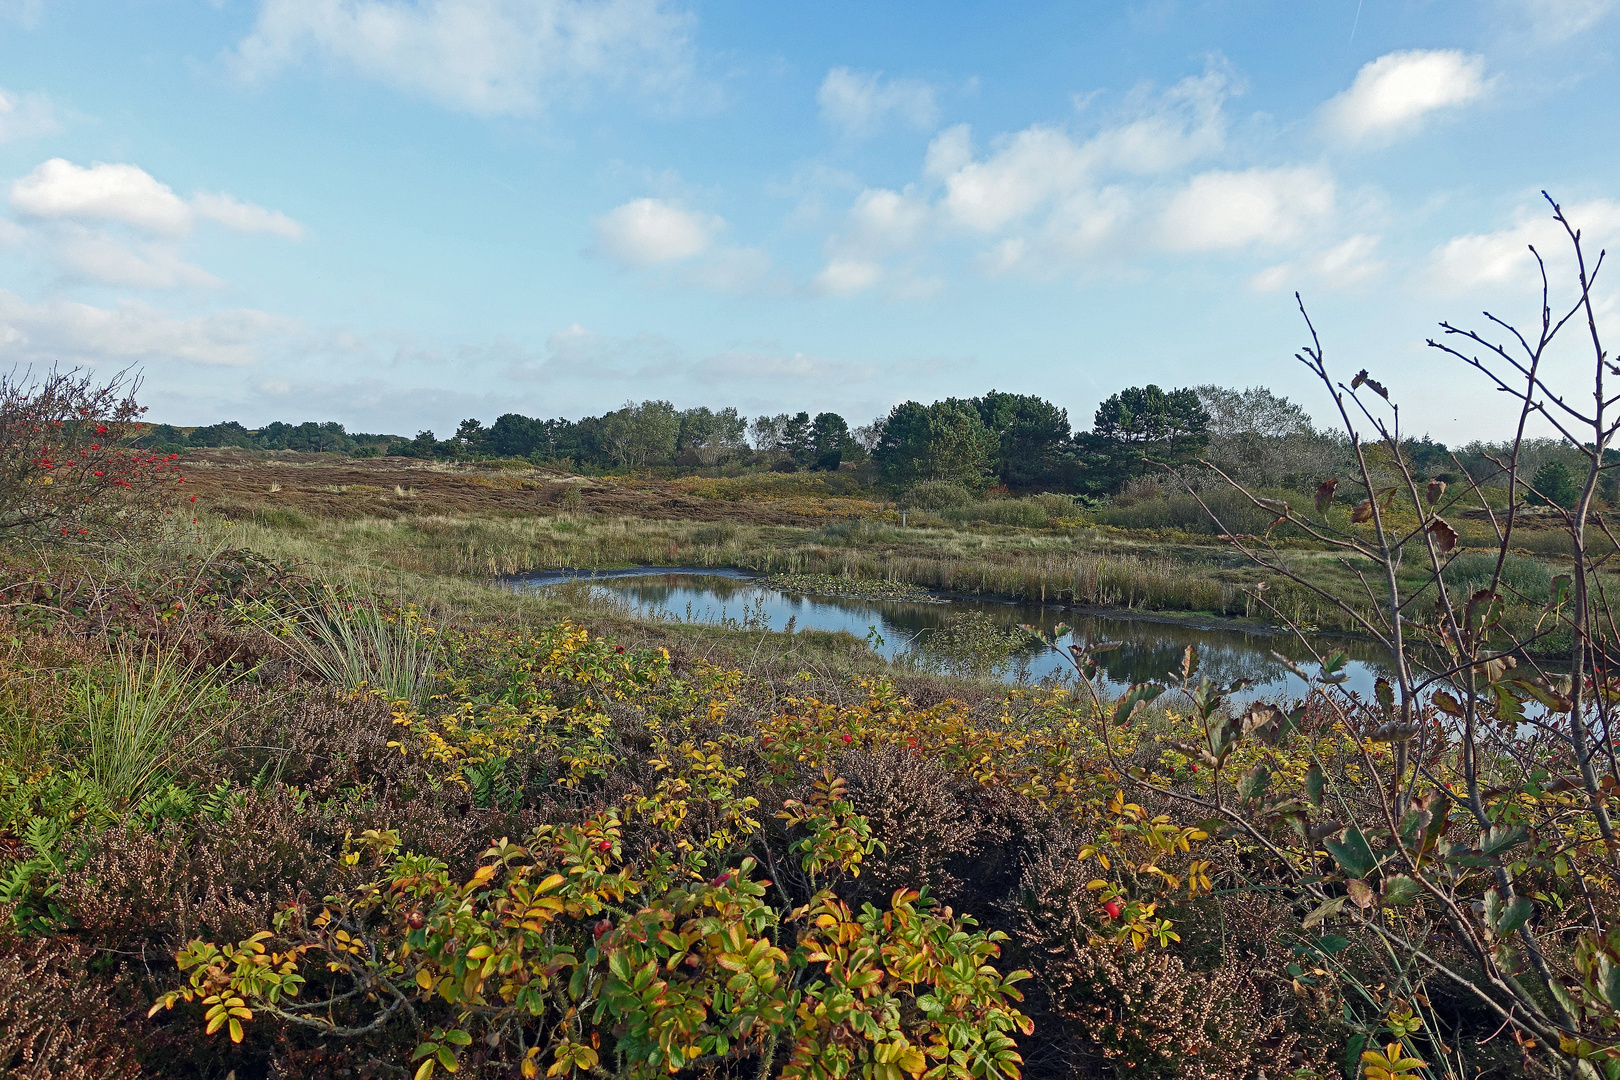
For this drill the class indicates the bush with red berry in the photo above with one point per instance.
(69, 466)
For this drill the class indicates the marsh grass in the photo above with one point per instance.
(136, 723)
(356, 644)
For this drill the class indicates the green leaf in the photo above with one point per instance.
(1315, 781)
(1609, 982)
(1133, 699)
(1333, 943)
(1352, 1056)
(1559, 592)
(1252, 784)
(1385, 694)
(1514, 914)
(1502, 837)
(459, 1037)
(1400, 890)
(1351, 852)
(1333, 667)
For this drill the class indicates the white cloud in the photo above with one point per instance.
(95, 256)
(884, 221)
(949, 151)
(23, 12)
(736, 270)
(1221, 209)
(489, 57)
(1340, 266)
(122, 194)
(860, 103)
(60, 330)
(245, 217)
(646, 232)
(125, 194)
(846, 277)
(1503, 257)
(29, 114)
(1559, 20)
(1043, 165)
(1394, 93)
(1025, 172)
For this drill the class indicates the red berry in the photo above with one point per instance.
(602, 927)
(414, 920)
(1113, 909)
(848, 739)
(605, 845)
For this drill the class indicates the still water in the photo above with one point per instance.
(1150, 650)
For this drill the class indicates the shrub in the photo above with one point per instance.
(57, 1022)
(69, 468)
(936, 495)
(1180, 511)
(1143, 1013)
(1025, 513)
(1472, 571)
(912, 804)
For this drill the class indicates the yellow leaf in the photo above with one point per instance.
(236, 1030)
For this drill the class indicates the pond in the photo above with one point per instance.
(1149, 650)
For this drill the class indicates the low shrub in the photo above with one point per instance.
(1182, 512)
(936, 495)
(1522, 577)
(1025, 513)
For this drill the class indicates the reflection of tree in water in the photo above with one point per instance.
(657, 592)
(1150, 652)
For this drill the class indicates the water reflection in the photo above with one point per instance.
(1150, 650)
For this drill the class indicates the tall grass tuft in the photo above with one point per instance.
(354, 644)
(152, 712)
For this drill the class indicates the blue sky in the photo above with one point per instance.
(400, 214)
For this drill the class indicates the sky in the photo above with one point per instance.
(399, 214)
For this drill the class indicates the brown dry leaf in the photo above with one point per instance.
(1437, 489)
(1362, 512)
(1445, 537)
(1361, 893)
(1324, 494)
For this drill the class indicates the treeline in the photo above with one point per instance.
(1019, 441)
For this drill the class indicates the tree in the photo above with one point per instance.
(706, 436)
(1555, 483)
(639, 435)
(513, 435)
(226, 433)
(471, 436)
(942, 441)
(830, 441)
(1254, 410)
(1257, 437)
(1140, 423)
(796, 438)
(1030, 433)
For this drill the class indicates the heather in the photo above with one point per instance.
(303, 796)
